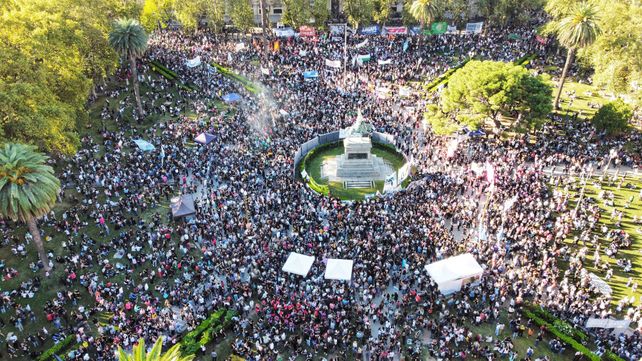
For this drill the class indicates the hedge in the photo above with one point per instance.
(610, 356)
(202, 334)
(561, 325)
(562, 336)
(445, 76)
(525, 60)
(164, 69)
(189, 343)
(247, 83)
(55, 349)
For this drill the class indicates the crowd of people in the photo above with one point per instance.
(128, 271)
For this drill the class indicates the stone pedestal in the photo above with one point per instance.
(357, 163)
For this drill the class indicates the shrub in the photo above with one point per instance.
(562, 336)
(613, 117)
(57, 348)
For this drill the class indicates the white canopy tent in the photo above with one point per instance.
(452, 273)
(298, 264)
(338, 269)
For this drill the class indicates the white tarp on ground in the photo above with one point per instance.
(607, 323)
(600, 284)
(452, 273)
(298, 264)
(338, 269)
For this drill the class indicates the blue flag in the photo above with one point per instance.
(406, 44)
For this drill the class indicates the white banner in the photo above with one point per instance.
(284, 32)
(333, 63)
(303, 53)
(403, 172)
(404, 91)
(607, 323)
(384, 62)
(192, 63)
(474, 28)
(362, 44)
(238, 47)
(265, 71)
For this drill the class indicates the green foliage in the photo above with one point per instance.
(56, 349)
(247, 83)
(514, 12)
(31, 114)
(190, 344)
(128, 38)
(297, 12)
(139, 353)
(443, 79)
(616, 55)
(190, 13)
(51, 54)
(423, 11)
(562, 336)
(241, 14)
(156, 14)
(613, 117)
(28, 186)
(320, 13)
(483, 90)
(561, 325)
(359, 12)
(579, 28)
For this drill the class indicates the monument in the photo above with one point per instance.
(357, 167)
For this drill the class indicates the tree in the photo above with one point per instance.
(483, 90)
(241, 13)
(28, 189)
(129, 39)
(576, 30)
(297, 12)
(616, 55)
(381, 10)
(358, 12)
(503, 12)
(156, 14)
(423, 11)
(31, 113)
(156, 354)
(320, 13)
(52, 54)
(613, 117)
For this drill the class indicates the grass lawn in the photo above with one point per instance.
(521, 344)
(54, 240)
(584, 94)
(633, 253)
(313, 168)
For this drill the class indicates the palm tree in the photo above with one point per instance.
(577, 30)
(140, 354)
(129, 39)
(423, 11)
(28, 189)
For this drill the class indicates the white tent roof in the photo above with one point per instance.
(338, 269)
(299, 264)
(454, 268)
(182, 206)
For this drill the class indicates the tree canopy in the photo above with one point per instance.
(616, 52)
(486, 90)
(613, 117)
(52, 54)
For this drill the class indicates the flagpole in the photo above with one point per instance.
(345, 48)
